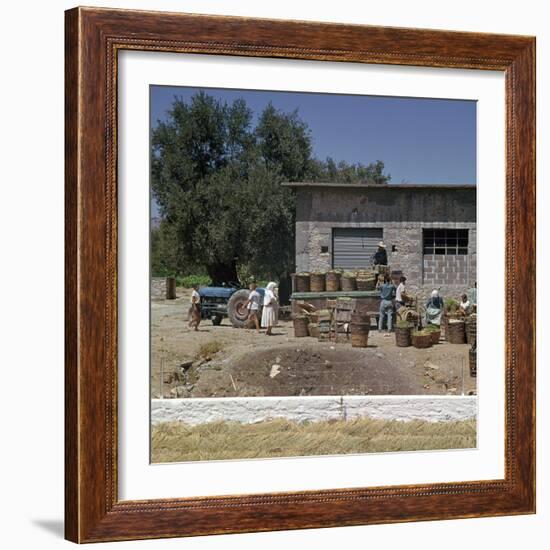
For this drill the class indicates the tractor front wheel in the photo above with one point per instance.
(236, 308)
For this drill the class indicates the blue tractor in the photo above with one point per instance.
(227, 300)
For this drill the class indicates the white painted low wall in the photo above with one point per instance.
(256, 409)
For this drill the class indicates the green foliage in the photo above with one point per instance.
(432, 328)
(404, 324)
(217, 181)
(187, 281)
(450, 304)
(342, 172)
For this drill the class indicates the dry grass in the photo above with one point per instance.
(207, 350)
(177, 442)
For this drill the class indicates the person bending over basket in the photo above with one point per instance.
(434, 308)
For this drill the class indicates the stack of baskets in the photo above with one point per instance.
(473, 361)
(360, 327)
(471, 330)
(366, 280)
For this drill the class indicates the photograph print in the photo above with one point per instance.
(313, 274)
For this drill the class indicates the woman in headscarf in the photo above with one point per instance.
(270, 310)
(434, 308)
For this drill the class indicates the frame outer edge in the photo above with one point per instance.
(72, 448)
(89, 515)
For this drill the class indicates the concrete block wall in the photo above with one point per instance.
(452, 274)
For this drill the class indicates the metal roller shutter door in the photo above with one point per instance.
(355, 247)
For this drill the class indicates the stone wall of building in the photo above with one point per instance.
(402, 214)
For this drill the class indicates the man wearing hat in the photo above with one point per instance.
(380, 257)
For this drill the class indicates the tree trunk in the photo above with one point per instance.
(223, 273)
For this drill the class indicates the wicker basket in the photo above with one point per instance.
(313, 329)
(301, 280)
(317, 282)
(421, 341)
(403, 336)
(300, 326)
(455, 332)
(360, 334)
(471, 332)
(436, 335)
(366, 283)
(473, 362)
(349, 282)
(333, 281)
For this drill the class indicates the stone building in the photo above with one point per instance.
(429, 231)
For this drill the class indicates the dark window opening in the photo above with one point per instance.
(447, 242)
(324, 250)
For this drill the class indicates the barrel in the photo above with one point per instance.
(300, 326)
(170, 288)
(473, 362)
(455, 332)
(317, 282)
(333, 281)
(302, 282)
(360, 327)
(403, 336)
(436, 335)
(349, 282)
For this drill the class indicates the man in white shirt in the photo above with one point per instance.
(401, 294)
(253, 306)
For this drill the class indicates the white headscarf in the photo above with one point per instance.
(435, 293)
(269, 295)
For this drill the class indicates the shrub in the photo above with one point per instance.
(207, 350)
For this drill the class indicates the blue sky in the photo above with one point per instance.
(419, 140)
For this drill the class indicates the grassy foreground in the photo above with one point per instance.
(177, 442)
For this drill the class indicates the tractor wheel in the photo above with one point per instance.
(236, 310)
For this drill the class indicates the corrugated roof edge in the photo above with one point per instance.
(379, 186)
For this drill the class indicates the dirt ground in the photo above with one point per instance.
(226, 362)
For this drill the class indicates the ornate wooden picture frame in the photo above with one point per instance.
(94, 37)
